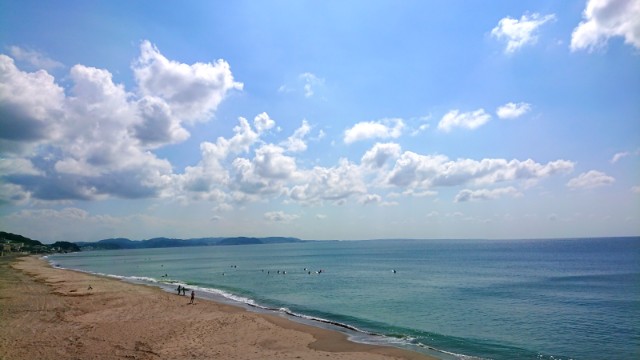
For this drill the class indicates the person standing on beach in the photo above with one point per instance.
(179, 288)
(193, 296)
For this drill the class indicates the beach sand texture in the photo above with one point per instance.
(49, 313)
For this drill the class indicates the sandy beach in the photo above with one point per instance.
(50, 313)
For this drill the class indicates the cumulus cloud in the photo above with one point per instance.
(604, 19)
(98, 140)
(94, 142)
(264, 174)
(31, 104)
(589, 180)
(468, 120)
(380, 154)
(295, 142)
(513, 110)
(333, 184)
(263, 122)
(381, 129)
(157, 124)
(34, 58)
(417, 171)
(518, 33)
(193, 91)
(486, 194)
(212, 170)
(280, 216)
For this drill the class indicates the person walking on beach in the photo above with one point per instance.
(193, 296)
(179, 288)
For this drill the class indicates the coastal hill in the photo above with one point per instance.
(17, 243)
(14, 243)
(161, 242)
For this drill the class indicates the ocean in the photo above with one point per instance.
(467, 299)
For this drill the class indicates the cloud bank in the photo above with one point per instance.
(97, 140)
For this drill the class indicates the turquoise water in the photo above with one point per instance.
(520, 299)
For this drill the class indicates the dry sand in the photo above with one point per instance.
(48, 313)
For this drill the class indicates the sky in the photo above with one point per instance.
(320, 119)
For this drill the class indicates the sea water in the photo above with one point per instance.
(515, 299)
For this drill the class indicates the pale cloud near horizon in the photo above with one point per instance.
(590, 180)
(513, 110)
(604, 19)
(486, 194)
(280, 216)
(519, 33)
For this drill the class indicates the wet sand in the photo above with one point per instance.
(49, 313)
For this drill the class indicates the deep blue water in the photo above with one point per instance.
(516, 299)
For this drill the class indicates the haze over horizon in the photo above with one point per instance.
(320, 119)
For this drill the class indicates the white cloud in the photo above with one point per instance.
(157, 125)
(604, 19)
(590, 180)
(334, 184)
(617, 156)
(34, 58)
(265, 174)
(211, 171)
(280, 216)
(381, 129)
(512, 110)
(271, 163)
(95, 142)
(263, 122)
(31, 104)
(295, 143)
(370, 199)
(486, 194)
(432, 214)
(519, 33)
(415, 171)
(192, 91)
(635, 189)
(311, 82)
(468, 120)
(380, 154)
(420, 129)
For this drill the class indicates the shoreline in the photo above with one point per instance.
(52, 313)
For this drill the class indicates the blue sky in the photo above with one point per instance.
(320, 119)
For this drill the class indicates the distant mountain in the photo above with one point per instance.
(123, 243)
